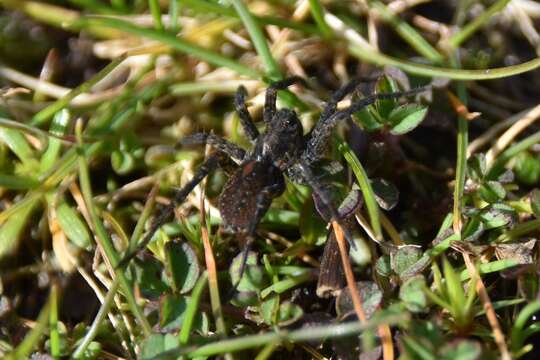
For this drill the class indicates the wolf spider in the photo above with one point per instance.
(282, 149)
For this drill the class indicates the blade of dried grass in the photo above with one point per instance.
(488, 306)
(211, 268)
(383, 330)
(529, 118)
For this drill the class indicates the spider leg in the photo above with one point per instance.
(340, 93)
(343, 91)
(319, 136)
(224, 146)
(325, 197)
(167, 212)
(245, 118)
(271, 95)
(264, 199)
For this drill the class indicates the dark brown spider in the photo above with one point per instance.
(282, 149)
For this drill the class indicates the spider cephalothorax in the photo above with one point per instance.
(280, 150)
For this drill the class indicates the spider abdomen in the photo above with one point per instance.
(249, 190)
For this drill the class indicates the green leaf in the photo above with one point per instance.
(269, 309)
(412, 294)
(182, 266)
(495, 216)
(385, 106)
(73, 226)
(17, 143)
(474, 229)
(383, 266)
(58, 127)
(289, 313)
(456, 295)
(254, 277)
(92, 351)
(477, 167)
(404, 257)
(172, 310)
(12, 228)
(148, 277)
(461, 350)
(406, 117)
(527, 168)
(492, 191)
(122, 162)
(367, 120)
(370, 295)
(155, 344)
(14, 182)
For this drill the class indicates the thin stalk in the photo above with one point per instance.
(468, 30)
(155, 10)
(461, 161)
(512, 151)
(41, 117)
(317, 12)
(46, 13)
(191, 309)
(30, 342)
(108, 301)
(211, 268)
(520, 230)
(174, 12)
(490, 311)
(259, 41)
(365, 187)
(98, 320)
(306, 334)
(373, 56)
(408, 33)
(360, 48)
(205, 7)
(171, 40)
(105, 241)
(53, 323)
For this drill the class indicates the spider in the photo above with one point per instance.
(281, 150)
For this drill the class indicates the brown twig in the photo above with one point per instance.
(212, 269)
(383, 330)
(488, 307)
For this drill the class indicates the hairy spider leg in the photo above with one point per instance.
(343, 91)
(264, 199)
(337, 96)
(210, 164)
(245, 118)
(320, 135)
(219, 143)
(271, 95)
(322, 193)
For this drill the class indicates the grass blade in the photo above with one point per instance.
(464, 33)
(259, 41)
(408, 33)
(171, 40)
(104, 239)
(365, 186)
